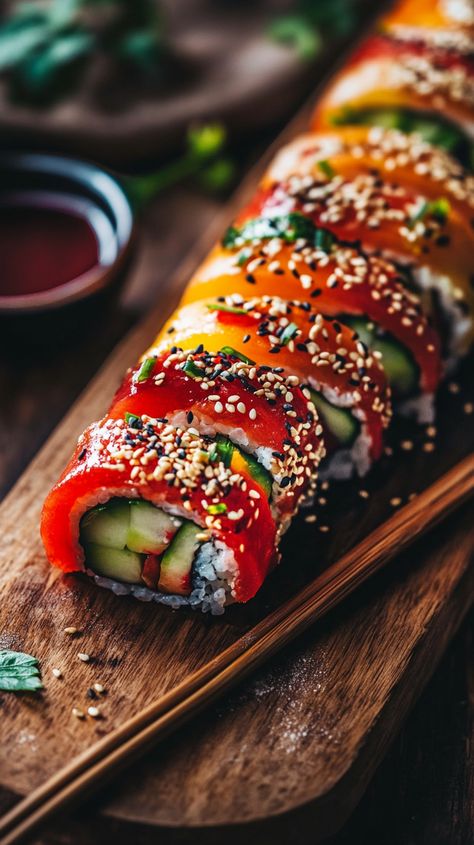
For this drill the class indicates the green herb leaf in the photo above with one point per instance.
(298, 32)
(439, 209)
(19, 672)
(207, 140)
(146, 369)
(289, 227)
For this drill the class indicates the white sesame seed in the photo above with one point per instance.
(94, 712)
(79, 714)
(83, 656)
(252, 414)
(71, 630)
(57, 673)
(99, 688)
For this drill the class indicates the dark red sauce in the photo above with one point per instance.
(43, 246)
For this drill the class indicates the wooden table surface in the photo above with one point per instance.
(424, 790)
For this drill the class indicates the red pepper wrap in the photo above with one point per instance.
(320, 352)
(229, 396)
(171, 468)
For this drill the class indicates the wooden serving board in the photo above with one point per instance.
(305, 735)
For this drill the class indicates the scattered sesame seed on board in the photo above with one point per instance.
(468, 408)
(324, 529)
(72, 630)
(364, 494)
(407, 445)
(454, 387)
(57, 672)
(429, 446)
(94, 712)
(395, 501)
(99, 688)
(84, 657)
(78, 713)
(310, 518)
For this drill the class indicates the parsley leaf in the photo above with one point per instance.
(19, 672)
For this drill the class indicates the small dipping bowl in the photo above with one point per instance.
(66, 230)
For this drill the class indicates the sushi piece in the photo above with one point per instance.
(430, 239)
(346, 382)
(338, 281)
(146, 508)
(261, 421)
(412, 85)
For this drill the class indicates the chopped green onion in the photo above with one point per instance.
(439, 209)
(323, 239)
(191, 369)
(326, 168)
(230, 309)
(133, 421)
(288, 334)
(220, 508)
(229, 350)
(146, 369)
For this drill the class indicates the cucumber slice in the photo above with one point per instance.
(340, 422)
(119, 564)
(107, 525)
(401, 370)
(177, 561)
(151, 529)
(242, 461)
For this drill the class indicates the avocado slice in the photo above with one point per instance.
(340, 421)
(177, 561)
(107, 525)
(400, 368)
(119, 564)
(150, 529)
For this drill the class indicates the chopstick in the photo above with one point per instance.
(91, 769)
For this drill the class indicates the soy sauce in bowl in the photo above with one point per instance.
(65, 232)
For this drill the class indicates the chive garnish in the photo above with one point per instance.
(220, 508)
(326, 168)
(229, 350)
(439, 209)
(323, 239)
(191, 369)
(288, 333)
(230, 309)
(133, 421)
(146, 369)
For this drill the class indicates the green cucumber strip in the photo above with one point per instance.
(340, 421)
(177, 561)
(151, 529)
(107, 525)
(119, 564)
(401, 370)
(288, 334)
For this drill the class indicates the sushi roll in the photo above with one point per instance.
(384, 209)
(411, 85)
(362, 291)
(262, 422)
(343, 380)
(191, 514)
(146, 508)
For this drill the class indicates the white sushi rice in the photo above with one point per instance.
(213, 579)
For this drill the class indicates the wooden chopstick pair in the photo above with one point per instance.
(104, 760)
